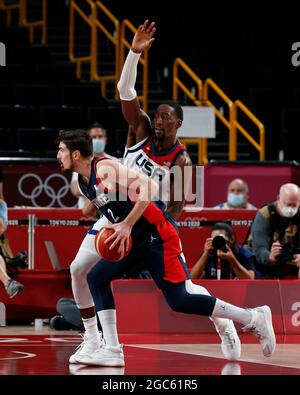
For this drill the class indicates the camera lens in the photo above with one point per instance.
(219, 242)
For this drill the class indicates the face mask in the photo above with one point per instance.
(235, 200)
(3, 213)
(289, 212)
(98, 145)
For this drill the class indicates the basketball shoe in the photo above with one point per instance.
(231, 344)
(87, 347)
(104, 356)
(13, 287)
(261, 327)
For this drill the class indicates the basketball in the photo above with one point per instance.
(103, 249)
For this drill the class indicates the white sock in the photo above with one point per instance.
(226, 310)
(91, 328)
(108, 322)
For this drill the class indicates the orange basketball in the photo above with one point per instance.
(103, 249)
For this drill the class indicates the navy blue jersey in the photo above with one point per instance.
(116, 205)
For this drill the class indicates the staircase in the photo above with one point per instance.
(248, 55)
(40, 93)
(244, 52)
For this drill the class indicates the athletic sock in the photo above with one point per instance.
(91, 329)
(226, 310)
(108, 322)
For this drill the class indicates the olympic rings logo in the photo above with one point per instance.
(44, 187)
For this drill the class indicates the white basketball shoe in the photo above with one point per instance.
(261, 326)
(231, 344)
(87, 347)
(103, 356)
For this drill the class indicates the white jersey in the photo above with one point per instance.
(156, 165)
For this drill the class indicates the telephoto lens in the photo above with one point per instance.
(219, 243)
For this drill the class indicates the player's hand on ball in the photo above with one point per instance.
(121, 237)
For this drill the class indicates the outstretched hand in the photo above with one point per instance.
(143, 38)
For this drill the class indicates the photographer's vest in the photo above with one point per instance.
(282, 229)
(285, 230)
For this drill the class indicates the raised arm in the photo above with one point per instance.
(137, 119)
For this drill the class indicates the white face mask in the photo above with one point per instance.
(289, 212)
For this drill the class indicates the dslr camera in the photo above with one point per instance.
(219, 242)
(18, 261)
(288, 251)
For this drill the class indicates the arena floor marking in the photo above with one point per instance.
(285, 355)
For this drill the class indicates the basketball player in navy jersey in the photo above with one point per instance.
(128, 199)
(153, 148)
(154, 151)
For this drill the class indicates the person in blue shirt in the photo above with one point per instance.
(231, 262)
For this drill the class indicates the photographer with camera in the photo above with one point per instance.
(12, 287)
(275, 235)
(223, 258)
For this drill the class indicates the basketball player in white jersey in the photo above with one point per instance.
(154, 149)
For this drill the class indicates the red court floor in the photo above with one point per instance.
(42, 351)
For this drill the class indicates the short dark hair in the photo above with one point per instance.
(98, 125)
(177, 108)
(76, 139)
(224, 226)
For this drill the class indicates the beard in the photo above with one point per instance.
(159, 137)
(66, 170)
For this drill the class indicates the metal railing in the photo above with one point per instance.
(112, 37)
(228, 122)
(144, 59)
(31, 240)
(9, 8)
(21, 6)
(177, 83)
(74, 8)
(96, 24)
(203, 99)
(236, 126)
(196, 99)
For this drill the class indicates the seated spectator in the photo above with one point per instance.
(12, 287)
(69, 316)
(99, 138)
(275, 235)
(223, 258)
(237, 196)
